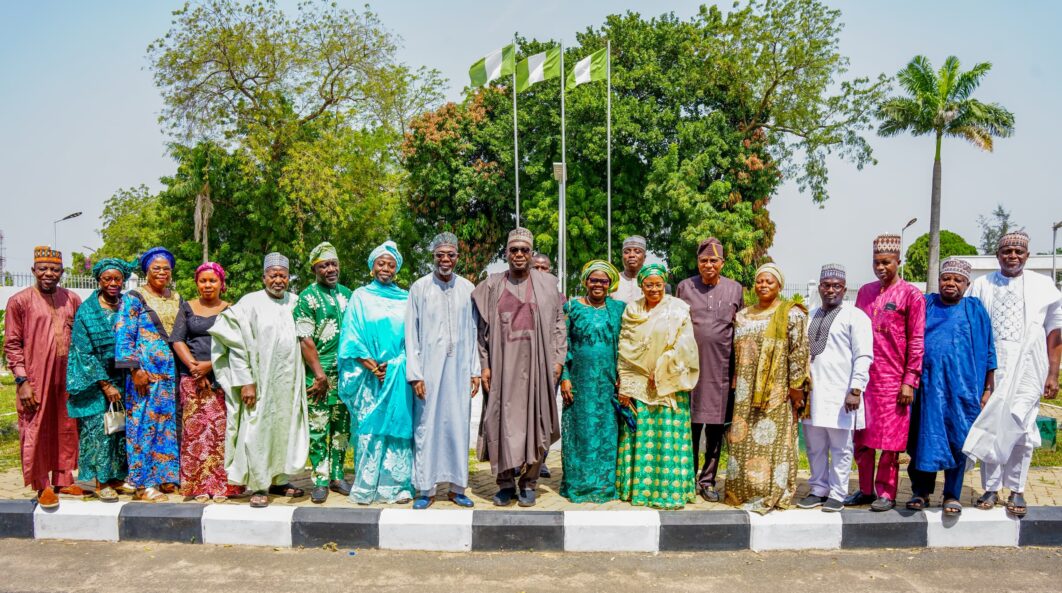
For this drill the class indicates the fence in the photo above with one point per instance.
(68, 281)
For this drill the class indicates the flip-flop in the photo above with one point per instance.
(987, 501)
(952, 507)
(917, 503)
(1016, 505)
(286, 490)
(259, 500)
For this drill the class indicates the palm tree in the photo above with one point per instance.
(939, 103)
(193, 183)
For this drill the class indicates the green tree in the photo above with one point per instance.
(993, 227)
(940, 103)
(696, 150)
(286, 131)
(132, 222)
(916, 264)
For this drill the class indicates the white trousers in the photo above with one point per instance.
(1012, 474)
(830, 458)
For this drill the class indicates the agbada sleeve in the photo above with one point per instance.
(414, 368)
(84, 370)
(127, 333)
(14, 343)
(231, 349)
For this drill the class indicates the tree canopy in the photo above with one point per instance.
(293, 127)
(916, 263)
(286, 130)
(710, 115)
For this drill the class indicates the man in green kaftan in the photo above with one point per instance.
(318, 316)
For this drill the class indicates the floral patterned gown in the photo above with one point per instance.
(142, 341)
(761, 469)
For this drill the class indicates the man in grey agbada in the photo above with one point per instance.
(442, 366)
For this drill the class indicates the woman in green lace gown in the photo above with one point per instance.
(658, 366)
(589, 428)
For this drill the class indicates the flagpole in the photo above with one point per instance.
(608, 134)
(562, 230)
(516, 140)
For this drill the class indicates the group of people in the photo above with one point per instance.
(145, 393)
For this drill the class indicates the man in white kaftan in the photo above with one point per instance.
(842, 348)
(1026, 316)
(258, 362)
(443, 367)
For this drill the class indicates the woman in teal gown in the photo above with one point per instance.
(589, 426)
(372, 383)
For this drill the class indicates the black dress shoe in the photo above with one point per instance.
(709, 494)
(858, 499)
(543, 472)
(319, 494)
(504, 497)
(339, 487)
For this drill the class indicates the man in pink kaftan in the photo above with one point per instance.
(897, 312)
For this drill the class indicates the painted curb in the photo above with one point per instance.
(573, 531)
(526, 531)
(696, 531)
(16, 518)
(161, 522)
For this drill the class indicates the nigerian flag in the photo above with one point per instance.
(495, 64)
(537, 68)
(589, 69)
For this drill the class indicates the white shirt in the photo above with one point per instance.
(628, 290)
(844, 365)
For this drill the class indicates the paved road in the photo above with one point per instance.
(27, 565)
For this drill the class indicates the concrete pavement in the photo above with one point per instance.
(77, 567)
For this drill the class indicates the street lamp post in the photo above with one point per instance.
(1054, 251)
(905, 227)
(56, 223)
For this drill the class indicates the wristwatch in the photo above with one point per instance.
(858, 392)
(20, 380)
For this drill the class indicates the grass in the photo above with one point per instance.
(8, 424)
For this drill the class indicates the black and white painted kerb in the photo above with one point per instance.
(574, 531)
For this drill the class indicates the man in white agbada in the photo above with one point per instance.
(442, 366)
(258, 362)
(842, 348)
(1026, 317)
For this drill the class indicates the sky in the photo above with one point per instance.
(78, 113)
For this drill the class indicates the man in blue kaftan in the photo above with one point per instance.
(957, 380)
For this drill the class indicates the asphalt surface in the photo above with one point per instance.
(29, 565)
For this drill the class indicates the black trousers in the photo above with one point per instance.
(713, 440)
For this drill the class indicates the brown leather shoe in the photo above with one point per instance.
(47, 499)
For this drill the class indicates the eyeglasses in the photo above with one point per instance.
(598, 281)
(515, 250)
(445, 255)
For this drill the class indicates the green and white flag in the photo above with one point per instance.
(537, 68)
(589, 69)
(494, 65)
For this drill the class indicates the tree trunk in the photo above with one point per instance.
(206, 240)
(933, 272)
